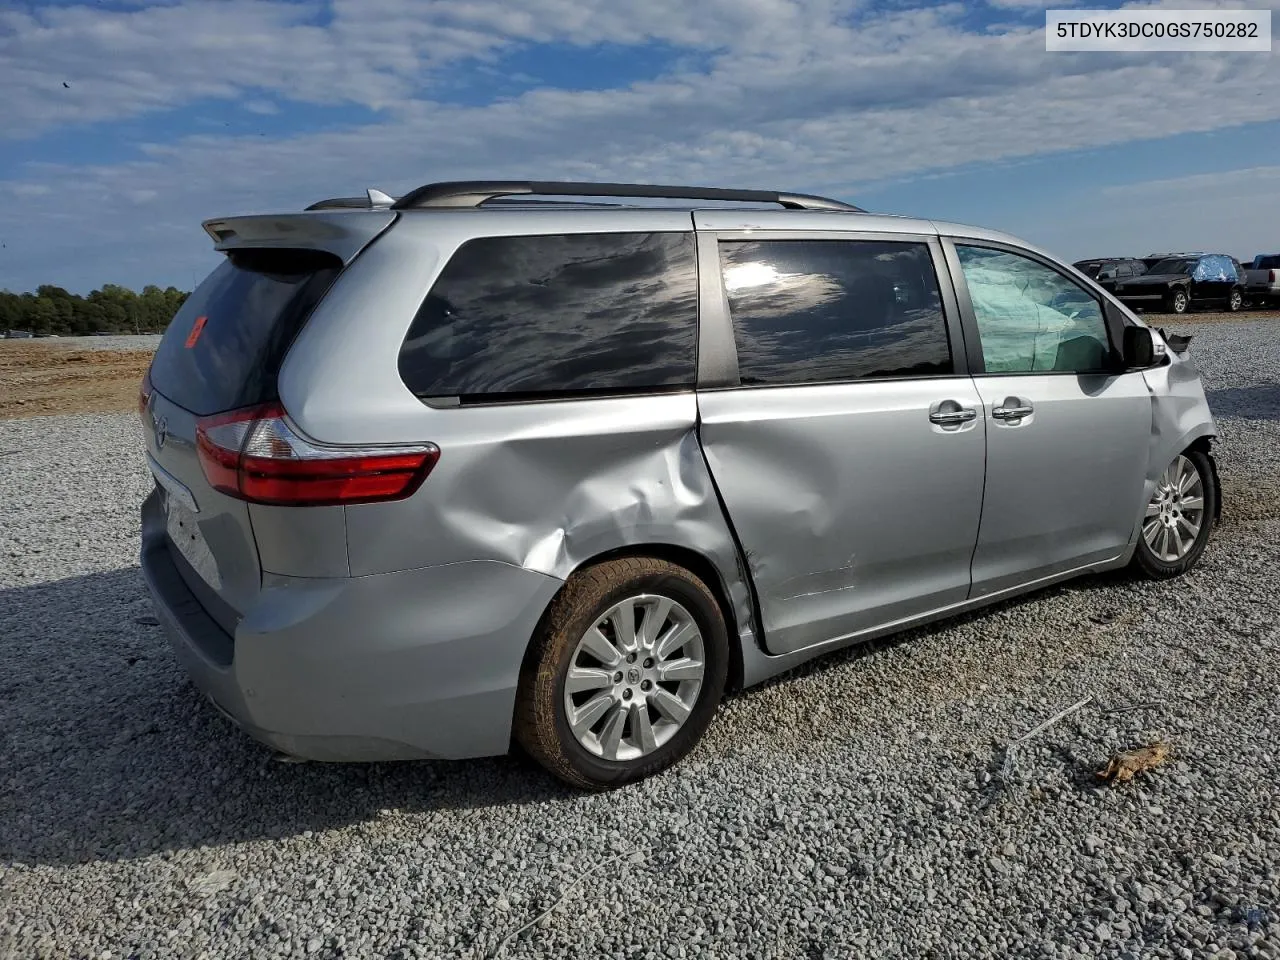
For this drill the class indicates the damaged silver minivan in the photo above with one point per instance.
(476, 466)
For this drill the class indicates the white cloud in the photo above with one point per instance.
(261, 107)
(805, 94)
(1030, 4)
(1230, 184)
(1233, 212)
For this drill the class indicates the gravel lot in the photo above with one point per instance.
(854, 807)
(116, 341)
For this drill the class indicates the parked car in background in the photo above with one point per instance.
(1090, 268)
(438, 474)
(1108, 272)
(1176, 284)
(1151, 259)
(19, 335)
(1262, 279)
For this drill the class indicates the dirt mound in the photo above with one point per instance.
(38, 379)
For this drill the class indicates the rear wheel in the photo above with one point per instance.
(1179, 301)
(625, 674)
(1178, 518)
(1236, 301)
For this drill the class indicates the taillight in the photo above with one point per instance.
(1271, 277)
(144, 394)
(254, 454)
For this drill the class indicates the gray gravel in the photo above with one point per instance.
(117, 341)
(855, 807)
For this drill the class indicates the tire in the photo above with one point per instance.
(1236, 301)
(1179, 301)
(648, 740)
(1162, 561)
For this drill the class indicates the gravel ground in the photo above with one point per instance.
(116, 341)
(855, 807)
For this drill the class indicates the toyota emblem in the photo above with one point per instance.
(162, 431)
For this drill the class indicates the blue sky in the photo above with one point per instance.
(124, 123)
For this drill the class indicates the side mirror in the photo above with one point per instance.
(1139, 348)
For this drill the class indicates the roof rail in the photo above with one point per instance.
(473, 193)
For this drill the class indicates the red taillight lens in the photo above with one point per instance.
(256, 455)
(144, 394)
(1271, 277)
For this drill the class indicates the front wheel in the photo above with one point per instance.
(1175, 528)
(625, 674)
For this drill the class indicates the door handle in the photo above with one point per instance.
(1013, 409)
(953, 417)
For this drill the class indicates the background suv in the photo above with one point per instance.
(438, 473)
(1107, 273)
(1176, 283)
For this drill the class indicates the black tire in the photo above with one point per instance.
(1179, 301)
(1145, 560)
(1236, 301)
(541, 726)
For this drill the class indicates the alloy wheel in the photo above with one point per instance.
(1175, 514)
(634, 677)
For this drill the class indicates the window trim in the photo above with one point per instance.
(454, 402)
(718, 349)
(1112, 321)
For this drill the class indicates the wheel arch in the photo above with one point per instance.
(1204, 444)
(696, 563)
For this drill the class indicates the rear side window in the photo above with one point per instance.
(514, 318)
(814, 311)
(223, 349)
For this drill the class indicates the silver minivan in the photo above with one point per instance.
(556, 464)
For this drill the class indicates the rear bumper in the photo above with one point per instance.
(419, 663)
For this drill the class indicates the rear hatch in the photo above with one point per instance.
(222, 352)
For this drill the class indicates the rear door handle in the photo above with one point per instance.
(953, 415)
(1013, 408)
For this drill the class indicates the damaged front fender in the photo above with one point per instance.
(1180, 413)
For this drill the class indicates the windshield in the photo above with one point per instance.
(1173, 265)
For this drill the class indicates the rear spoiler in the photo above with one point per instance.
(343, 234)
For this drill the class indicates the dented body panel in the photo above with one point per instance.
(1180, 415)
(852, 508)
(550, 486)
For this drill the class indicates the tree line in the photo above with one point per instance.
(113, 309)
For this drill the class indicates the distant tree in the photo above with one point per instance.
(110, 309)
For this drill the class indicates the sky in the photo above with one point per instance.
(125, 123)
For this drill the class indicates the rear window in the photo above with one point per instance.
(514, 318)
(223, 349)
(1173, 266)
(1268, 263)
